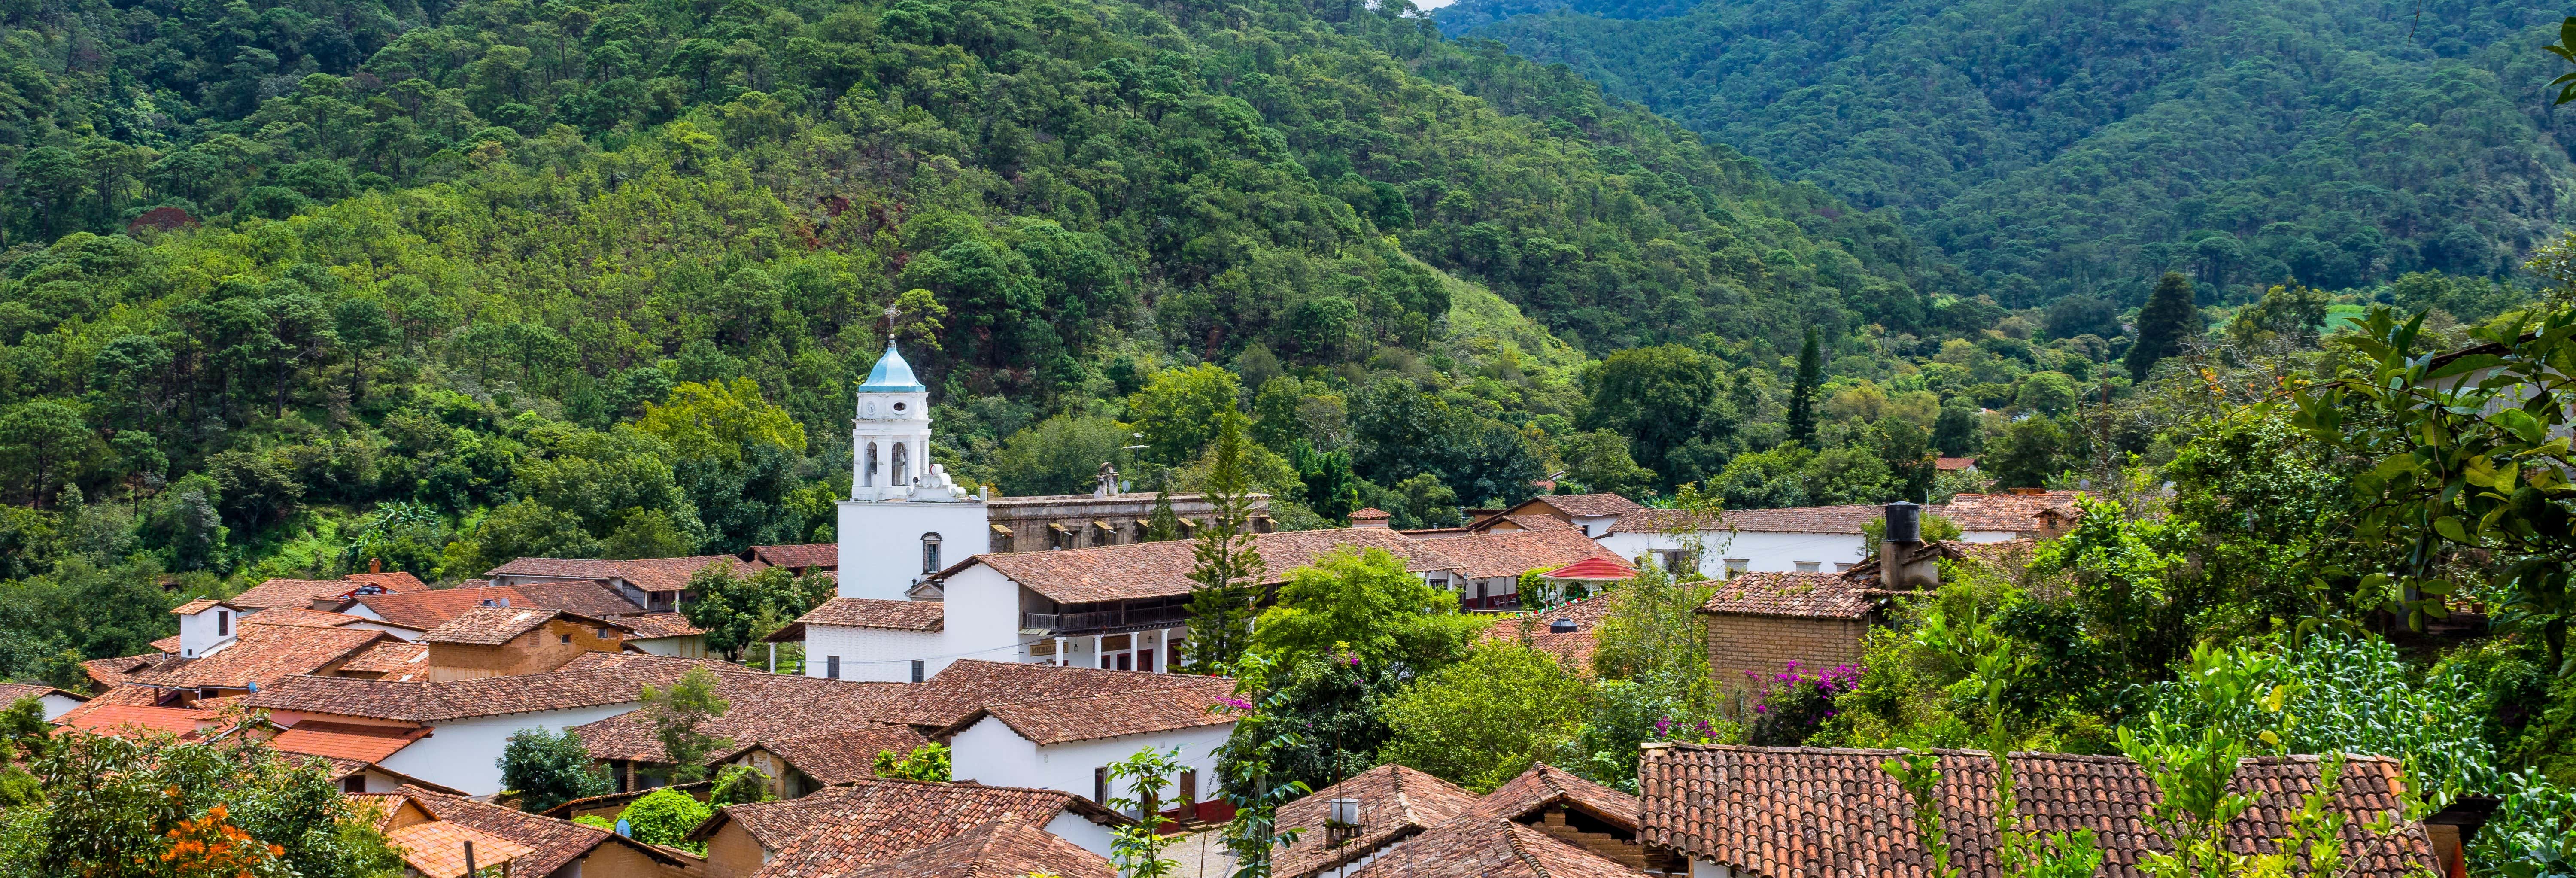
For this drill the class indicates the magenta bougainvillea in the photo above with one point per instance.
(1792, 704)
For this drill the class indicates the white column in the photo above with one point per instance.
(1098, 653)
(1059, 654)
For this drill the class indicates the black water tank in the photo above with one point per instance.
(1561, 626)
(1904, 522)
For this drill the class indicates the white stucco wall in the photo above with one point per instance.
(983, 620)
(1761, 550)
(683, 646)
(1081, 831)
(408, 635)
(1988, 536)
(869, 653)
(989, 752)
(56, 704)
(881, 542)
(466, 753)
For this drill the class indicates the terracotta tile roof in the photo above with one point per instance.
(1585, 505)
(554, 843)
(866, 613)
(2007, 557)
(1573, 648)
(1162, 569)
(199, 605)
(1593, 568)
(1118, 714)
(1496, 554)
(649, 574)
(430, 609)
(302, 592)
(2013, 512)
(762, 707)
(1655, 521)
(958, 692)
(167, 644)
(1953, 464)
(494, 626)
(1395, 802)
(395, 580)
(588, 597)
(800, 555)
(1488, 847)
(110, 717)
(1000, 849)
(843, 828)
(345, 740)
(837, 757)
(300, 618)
(1544, 785)
(1794, 594)
(1370, 513)
(11, 692)
(649, 626)
(1835, 814)
(122, 669)
(592, 680)
(263, 654)
(437, 848)
(1846, 519)
(391, 658)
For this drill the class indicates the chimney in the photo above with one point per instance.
(1902, 563)
(206, 626)
(1370, 517)
(375, 565)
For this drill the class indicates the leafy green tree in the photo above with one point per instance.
(2287, 313)
(737, 784)
(1332, 489)
(1422, 501)
(735, 610)
(1138, 849)
(150, 805)
(2484, 482)
(676, 711)
(525, 529)
(928, 762)
(2031, 451)
(1484, 720)
(1907, 452)
(664, 817)
(549, 768)
(1228, 569)
(1656, 397)
(2045, 393)
(1162, 524)
(44, 443)
(1363, 605)
(648, 533)
(1599, 460)
(1956, 432)
(1179, 410)
(2169, 321)
(1802, 395)
(1060, 455)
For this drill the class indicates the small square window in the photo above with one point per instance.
(566, 638)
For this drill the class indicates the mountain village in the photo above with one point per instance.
(1036, 641)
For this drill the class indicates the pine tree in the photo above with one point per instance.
(2168, 319)
(1162, 524)
(1802, 396)
(1229, 568)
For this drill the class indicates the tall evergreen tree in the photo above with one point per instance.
(1229, 568)
(1162, 524)
(1802, 396)
(2168, 319)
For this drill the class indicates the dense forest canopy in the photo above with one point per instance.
(2055, 149)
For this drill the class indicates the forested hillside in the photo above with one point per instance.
(2056, 149)
(293, 287)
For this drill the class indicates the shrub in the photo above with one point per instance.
(1794, 705)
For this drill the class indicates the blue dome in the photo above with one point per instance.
(891, 373)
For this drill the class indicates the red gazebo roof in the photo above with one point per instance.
(1593, 568)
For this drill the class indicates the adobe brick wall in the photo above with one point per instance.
(1765, 645)
(535, 652)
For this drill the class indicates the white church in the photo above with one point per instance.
(932, 572)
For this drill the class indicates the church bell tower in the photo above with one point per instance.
(905, 518)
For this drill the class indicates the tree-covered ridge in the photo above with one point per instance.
(2055, 150)
(1197, 146)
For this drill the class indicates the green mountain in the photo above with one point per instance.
(2054, 149)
